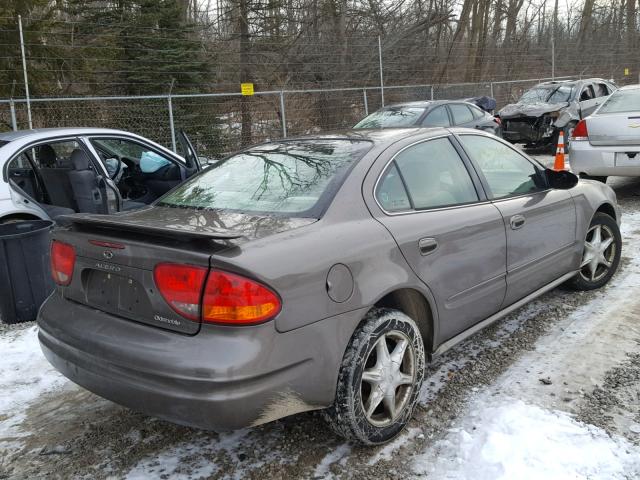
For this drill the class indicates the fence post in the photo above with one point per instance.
(491, 89)
(24, 72)
(171, 125)
(366, 102)
(381, 72)
(553, 58)
(283, 116)
(14, 122)
(431, 92)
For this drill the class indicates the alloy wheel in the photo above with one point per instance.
(599, 253)
(388, 379)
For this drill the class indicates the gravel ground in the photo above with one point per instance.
(70, 433)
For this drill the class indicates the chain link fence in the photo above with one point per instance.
(214, 122)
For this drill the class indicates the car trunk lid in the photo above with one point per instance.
(615, 129)
(116, 256)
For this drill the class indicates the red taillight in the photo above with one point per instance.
(580, 133)
(227, 298)
(181, 287)
(235, 300)
(63, 259)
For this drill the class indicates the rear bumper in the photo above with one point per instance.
(220, 379)
(601, 161)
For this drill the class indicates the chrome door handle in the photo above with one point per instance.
(427, 245)
(517, 222)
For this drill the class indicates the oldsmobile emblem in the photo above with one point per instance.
(108, 254)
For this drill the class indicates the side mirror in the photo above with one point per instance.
(562, 180)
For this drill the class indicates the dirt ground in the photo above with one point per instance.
(577, 353)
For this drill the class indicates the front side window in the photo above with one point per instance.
(438, 117)
(507, 172)
(390, 117)
(135, 154)
(587, 94)
(461, 114)
(291, 178)
(434, 174)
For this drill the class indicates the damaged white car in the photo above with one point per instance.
(545, 110)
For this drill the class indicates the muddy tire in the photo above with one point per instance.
(601, 255)
(379, 380)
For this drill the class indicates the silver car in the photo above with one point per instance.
(319, 272)
(47, 173)
(608, 142)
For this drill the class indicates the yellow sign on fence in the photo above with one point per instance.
(246, 89)
(626, 71)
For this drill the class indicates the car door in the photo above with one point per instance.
(189, 153)
(587, 100)
(540, 222)
(451, 237)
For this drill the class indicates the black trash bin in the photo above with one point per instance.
(25, 278)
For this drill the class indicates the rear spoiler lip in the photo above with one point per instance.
(111, 222)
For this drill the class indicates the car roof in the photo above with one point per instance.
(375, 135)
(425, 103)
(44, 133)
(572, 82)
(630, 87)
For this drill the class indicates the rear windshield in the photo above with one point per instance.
(622, 101)
(550, 94)
(392, 117)
(296, 178)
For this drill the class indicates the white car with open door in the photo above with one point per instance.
(608, 142)
(51, 172)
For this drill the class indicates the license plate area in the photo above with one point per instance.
(624, 159)
(116, 294)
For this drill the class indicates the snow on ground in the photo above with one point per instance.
(26, 377)
(509, 439)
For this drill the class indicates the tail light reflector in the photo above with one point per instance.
(181, 287)
(580, 133)
(63, 260)
(235, 300)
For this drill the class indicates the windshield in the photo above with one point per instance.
(392, 117)
(549, 94)
(622, 101)
(290, 178)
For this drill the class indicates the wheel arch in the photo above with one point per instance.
(608, 209)
(415, 305)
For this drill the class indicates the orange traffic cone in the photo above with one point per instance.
(559, 163)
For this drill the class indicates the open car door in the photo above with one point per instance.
(189, 153)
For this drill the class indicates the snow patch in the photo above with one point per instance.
(340, 455)
(26, 376)
(517, 440)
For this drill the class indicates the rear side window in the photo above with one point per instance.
(477, 113)
(507, 172)
(622, 101)
(391, 192)
(461, 113)
(295, 178)
(434, 175)
(438, 117)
